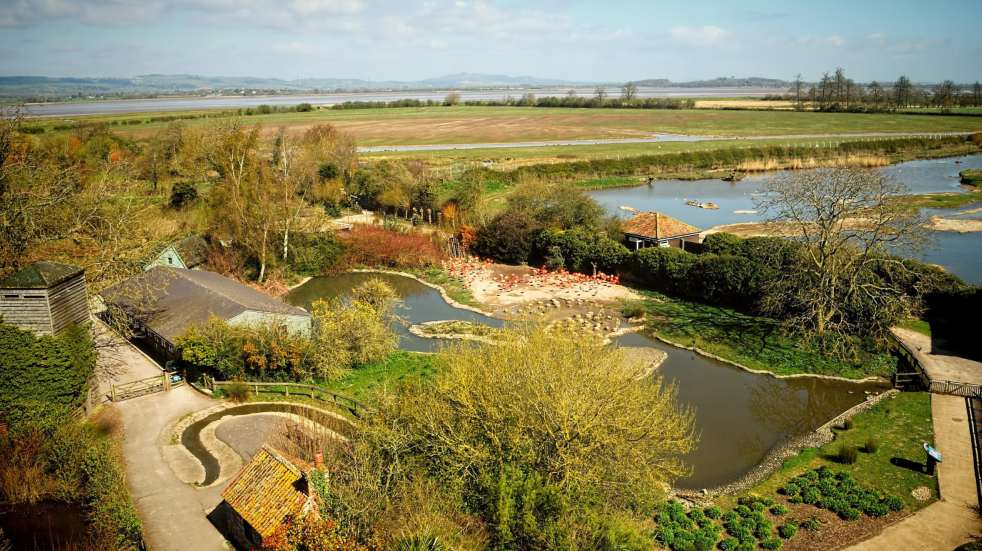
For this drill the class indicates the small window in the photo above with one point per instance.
(11, 297)
(170, 260)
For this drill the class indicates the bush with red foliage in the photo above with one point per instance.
(367, 245)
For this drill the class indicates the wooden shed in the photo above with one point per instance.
(45, 297)
(190, 252)
(267, 493)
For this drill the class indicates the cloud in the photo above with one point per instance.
(707, 35)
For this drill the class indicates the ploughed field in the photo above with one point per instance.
(466, 124)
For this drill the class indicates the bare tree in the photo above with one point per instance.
(797, 91)
(944, 95)
(629, 91)
(902, 92)
(845, 220)
(600, 94)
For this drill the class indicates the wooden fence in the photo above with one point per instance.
(142, 387)
(296, 389)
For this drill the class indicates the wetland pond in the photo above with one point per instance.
(961, 253)
(740, 415)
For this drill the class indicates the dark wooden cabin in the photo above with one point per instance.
(45, 297)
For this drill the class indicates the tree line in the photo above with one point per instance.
(837, 92)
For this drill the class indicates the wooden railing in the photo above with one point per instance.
(296, 389)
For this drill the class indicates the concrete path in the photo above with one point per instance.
(939, 367)
(954, 519)
(173, 512)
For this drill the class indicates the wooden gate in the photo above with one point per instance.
(143, 387)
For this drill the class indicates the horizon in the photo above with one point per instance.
(548, 40)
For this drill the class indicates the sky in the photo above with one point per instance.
(609, 41)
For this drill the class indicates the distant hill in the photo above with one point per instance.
(38, 88)
(719, 82)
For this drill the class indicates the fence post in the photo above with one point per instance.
(112, 393)
(166, 382)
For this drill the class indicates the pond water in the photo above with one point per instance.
(959, 253)
(741, 415)
(420, 303)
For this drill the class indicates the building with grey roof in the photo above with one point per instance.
(162, 303)
(45, 297)
(190, 252)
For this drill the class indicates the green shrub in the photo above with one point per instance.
(419, 542)
(848, 513)
(237, 392)
(847, 424)
(787, 530)
(871, 445)
(713, 512)
(811, 524)
(729, 544)
(183, 194)
(771, 543)
(894, 503)
(847, 454)
(779, 510)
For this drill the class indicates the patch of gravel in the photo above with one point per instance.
(921, 493)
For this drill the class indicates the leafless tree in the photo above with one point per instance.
(629, 91)
(846, 220)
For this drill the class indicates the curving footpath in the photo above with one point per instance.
(954, 519)
(173, 513)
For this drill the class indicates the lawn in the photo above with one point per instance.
(754, 342)
(400, 367)
(465, 124)
(899, 426)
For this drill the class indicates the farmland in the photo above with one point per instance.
(468, 124)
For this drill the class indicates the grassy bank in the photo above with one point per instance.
(942, 200)
(897, 426)
(971, 177)
(754, 342)
(400, 367)
(455, 288)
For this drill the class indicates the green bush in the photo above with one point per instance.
(847, 454)
(237, 392)
(729, 544)
(183, 194)
(779, 510)
(847, 424)
(713, 512)
(49, 370)
(787, 530)
(419, 542)
(314, 254)
(771, 543)
(811, 524)
(871, 445)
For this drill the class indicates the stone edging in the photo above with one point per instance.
(443, 292)
(776, 456)
(701, 352)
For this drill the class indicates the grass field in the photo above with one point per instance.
(463, 124)
(400, 367)
(754, 342)
(898, 425)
